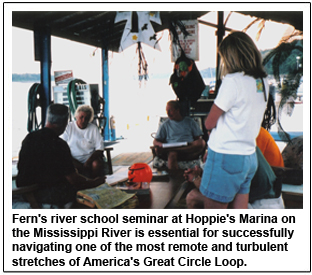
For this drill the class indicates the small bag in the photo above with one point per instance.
(264, 183)
(186, 81)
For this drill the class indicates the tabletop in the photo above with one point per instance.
(164, 191)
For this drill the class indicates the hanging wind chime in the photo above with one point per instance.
(139, 30)
(142, 70)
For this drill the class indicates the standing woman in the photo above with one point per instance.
(233, 123)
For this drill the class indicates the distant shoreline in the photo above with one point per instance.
(27, 77)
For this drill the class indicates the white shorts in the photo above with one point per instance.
(276, 203)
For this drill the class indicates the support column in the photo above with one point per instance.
(105, 85)
(43, 54)
(220, 34)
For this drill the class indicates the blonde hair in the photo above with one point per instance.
(240, 54)
(86, 109)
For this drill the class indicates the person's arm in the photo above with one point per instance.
(160, 136)
(99, 146)
(78, 165)
(205, 156)
(157, 143)
(194, 175)
(158, 146)
(65, 135)
(213, 117)
(80, 182)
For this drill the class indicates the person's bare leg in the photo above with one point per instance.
(198, 144)
(172, 160)
(193, 150)
(240, 201)
(78, 165)
(195, 199)
(211, 204)
(97, 168)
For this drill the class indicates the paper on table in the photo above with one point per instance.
(106, 197)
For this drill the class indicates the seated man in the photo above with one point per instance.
(178, 129)
(45, 159)
(85, 142)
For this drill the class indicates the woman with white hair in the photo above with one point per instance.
(85, 142)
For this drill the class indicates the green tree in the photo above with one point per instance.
(286, 60)
(282, 61)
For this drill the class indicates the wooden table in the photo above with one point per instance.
(165, 191)
(292, 196)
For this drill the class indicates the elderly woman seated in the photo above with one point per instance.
(86, 143)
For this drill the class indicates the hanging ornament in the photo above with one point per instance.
(138, 28)
(142, 66)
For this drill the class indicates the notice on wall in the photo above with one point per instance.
(188, 43)
(140, 240)
(63, 77)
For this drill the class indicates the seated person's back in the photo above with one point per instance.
(45, 160)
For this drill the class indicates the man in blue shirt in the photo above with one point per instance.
(178, 129)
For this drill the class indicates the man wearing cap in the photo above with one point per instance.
(45, 159)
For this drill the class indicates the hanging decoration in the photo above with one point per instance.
(184, 35)
(186, 81)
(93, 53)
(175, 36)
(142, 70)
(138, 28)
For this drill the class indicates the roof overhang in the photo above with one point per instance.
(96, 28)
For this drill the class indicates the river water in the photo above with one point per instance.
(136, 111)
